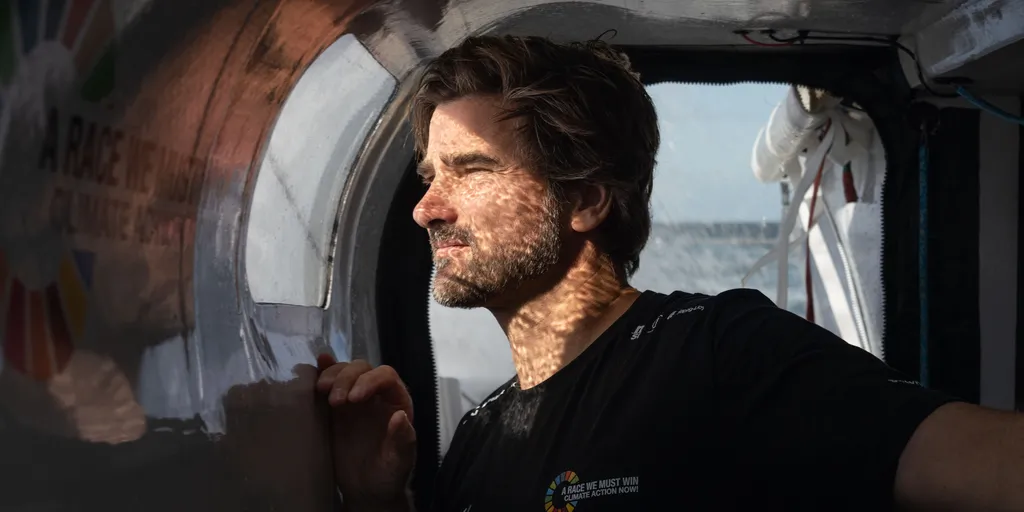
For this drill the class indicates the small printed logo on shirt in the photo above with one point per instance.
(655, 324)
(637, 332)
(901, 381)
(567, 490)
(685, 310)
(640, 329)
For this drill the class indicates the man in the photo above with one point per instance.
(539, 161)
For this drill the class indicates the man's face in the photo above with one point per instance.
(493, 224)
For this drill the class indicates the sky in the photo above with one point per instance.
(707, 137)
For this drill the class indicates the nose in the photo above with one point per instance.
(433, 208)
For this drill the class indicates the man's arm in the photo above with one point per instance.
(963, 457)
(839, 412)
(807, 415)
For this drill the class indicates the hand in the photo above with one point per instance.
(372, 436)
(277, 447)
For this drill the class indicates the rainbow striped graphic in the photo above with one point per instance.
(84, 27)
(42, 325)
(568, 478)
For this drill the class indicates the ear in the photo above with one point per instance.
(591, 205)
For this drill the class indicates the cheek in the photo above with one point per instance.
(489, 222)
(505, 215)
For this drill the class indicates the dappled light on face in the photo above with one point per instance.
(518, 241)
(493, 225)
(501, 240)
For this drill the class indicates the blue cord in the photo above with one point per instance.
(988, 107)
(922, 251)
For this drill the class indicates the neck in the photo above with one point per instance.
(553, 327)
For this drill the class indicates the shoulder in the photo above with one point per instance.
(715, 312)
(740, 301)
(729, 302)
(734, 323)
(670, 329)
(743, 313)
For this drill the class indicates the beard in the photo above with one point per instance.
(523, 252)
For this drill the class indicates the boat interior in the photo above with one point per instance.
(199, 196)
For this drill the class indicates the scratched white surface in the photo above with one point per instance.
(295, 200)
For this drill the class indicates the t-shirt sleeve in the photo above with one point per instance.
(801, 409)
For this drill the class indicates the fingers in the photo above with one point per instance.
(345, 379)
(382, 381)
(400, 429)
(326, 380)
(328, 377)
(357, 382)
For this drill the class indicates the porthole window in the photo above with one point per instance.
(317, 137)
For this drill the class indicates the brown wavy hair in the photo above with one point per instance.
(584, 117)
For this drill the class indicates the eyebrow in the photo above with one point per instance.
(471, 159)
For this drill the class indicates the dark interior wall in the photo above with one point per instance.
(953, 339)
(1019, 374)
(951, 334)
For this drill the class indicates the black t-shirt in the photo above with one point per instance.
(691, 402)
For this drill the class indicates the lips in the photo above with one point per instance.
(445, 251)
(446, 245)
(448, 237)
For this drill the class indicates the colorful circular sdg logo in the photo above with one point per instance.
(40, 325)
(84, 28)
(553, 501)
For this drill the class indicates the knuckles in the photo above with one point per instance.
(389, 372)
